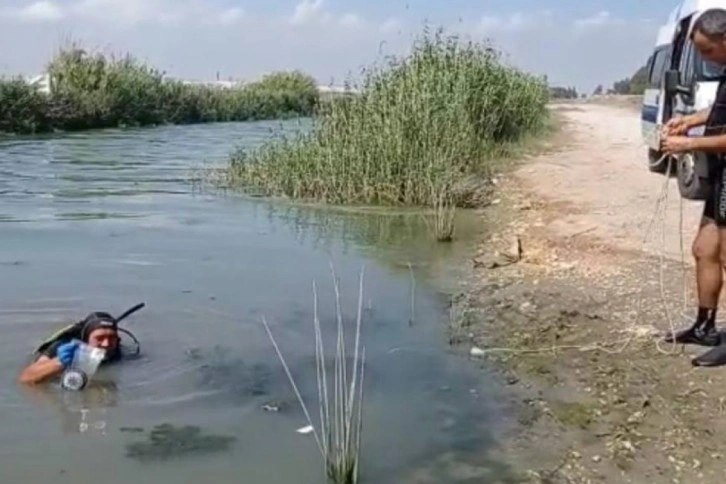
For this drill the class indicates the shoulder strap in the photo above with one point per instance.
(67, 332)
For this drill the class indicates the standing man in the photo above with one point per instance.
(709, 247)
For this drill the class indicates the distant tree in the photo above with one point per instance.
(639, 81)
(633, 85)
(598, 90)
(558, 92)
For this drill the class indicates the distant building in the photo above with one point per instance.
(42, 82)
(337, 90)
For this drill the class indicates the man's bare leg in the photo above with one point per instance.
(716, 356)
(707, 249)
(709, 280)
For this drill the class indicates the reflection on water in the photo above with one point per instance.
(80, 412)
(104, 220)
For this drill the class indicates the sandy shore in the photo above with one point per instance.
(572, 325)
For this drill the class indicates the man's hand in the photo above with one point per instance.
(677, 144)
(676, 126)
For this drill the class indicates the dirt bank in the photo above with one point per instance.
(573, 324)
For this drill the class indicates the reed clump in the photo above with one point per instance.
(418, 128)
(90, 91)
(340, 398)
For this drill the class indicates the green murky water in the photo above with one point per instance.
(100, 221)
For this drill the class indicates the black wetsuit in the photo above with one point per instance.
(51, 351)
(715, 206)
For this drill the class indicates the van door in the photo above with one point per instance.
(681, 60)
(652, 110)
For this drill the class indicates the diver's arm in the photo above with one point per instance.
(41, 369)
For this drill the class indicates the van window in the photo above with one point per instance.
(708, 70)
(649, 67)
(687, 66)
(711, 69)
(661, 59)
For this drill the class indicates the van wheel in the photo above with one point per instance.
(691, 184)
(658, 166)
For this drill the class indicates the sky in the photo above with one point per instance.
(580, 43)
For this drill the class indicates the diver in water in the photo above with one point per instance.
(98, 329)
(709, 247)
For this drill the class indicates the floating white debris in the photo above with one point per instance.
(476, 351)
(305, 430)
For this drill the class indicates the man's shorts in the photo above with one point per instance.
(715, 206)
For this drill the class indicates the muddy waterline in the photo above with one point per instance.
(103, 220)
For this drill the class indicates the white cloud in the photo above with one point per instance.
(391, 25)
(313, 12)
(599, 20)
(307, 11)
(518, 21)
(125, 12)
(231, 16)
(488, 23)
(351, 20)
(42, 11)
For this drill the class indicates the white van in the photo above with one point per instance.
(679, 82)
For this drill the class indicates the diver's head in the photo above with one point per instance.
(105, 338)
(101, 331)
(709, 35)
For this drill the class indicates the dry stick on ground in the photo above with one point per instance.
(339, 436)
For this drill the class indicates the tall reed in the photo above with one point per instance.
(90, 90)
(338, 435)
(419, 125)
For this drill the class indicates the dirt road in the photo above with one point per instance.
(575, 325)
(602, 172)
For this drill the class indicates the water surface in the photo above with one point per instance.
(103, 220)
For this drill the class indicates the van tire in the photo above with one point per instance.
(692, 184)
(655, 166)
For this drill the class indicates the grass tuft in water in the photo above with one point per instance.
(418, 129)
(338, 435)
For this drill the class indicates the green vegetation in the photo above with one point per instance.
(557, 92)
(420, 127)
(96, 91)
(633, 85)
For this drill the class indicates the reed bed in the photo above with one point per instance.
(89, 91)
(419, 127)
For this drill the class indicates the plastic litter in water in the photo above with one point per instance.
(305, 430)
(476, 352)
(85, 363)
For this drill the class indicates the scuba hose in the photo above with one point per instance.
(127, 332)
(130, 312)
